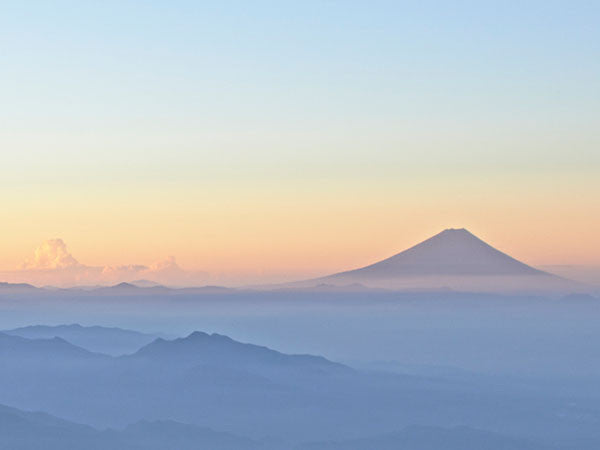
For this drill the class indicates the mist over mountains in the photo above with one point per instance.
(444, 344)
(294, 393)
(20, 430)
(176, 393)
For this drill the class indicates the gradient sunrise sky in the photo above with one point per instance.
(278, 140)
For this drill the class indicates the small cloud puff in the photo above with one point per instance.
(51, 254)
(168, 271)
(130, 268)
(167, 264)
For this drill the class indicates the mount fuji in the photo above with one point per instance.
(454, 259)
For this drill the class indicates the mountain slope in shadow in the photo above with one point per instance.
(217, 350)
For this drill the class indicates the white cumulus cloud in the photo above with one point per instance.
(51, 254)
(52, 264)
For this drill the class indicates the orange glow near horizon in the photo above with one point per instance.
(284, 232)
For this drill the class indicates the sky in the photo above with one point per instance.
(261, 141)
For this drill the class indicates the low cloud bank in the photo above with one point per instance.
(52, 264)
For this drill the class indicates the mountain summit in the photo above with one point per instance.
(451, 252)
(216, 350)
(454, 259)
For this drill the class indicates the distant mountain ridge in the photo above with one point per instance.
(17, 348)
(136, 288)
(16, 287)
(108, 340)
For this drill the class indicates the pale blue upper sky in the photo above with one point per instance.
(264, 84)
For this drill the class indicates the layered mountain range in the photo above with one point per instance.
(260, 398)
